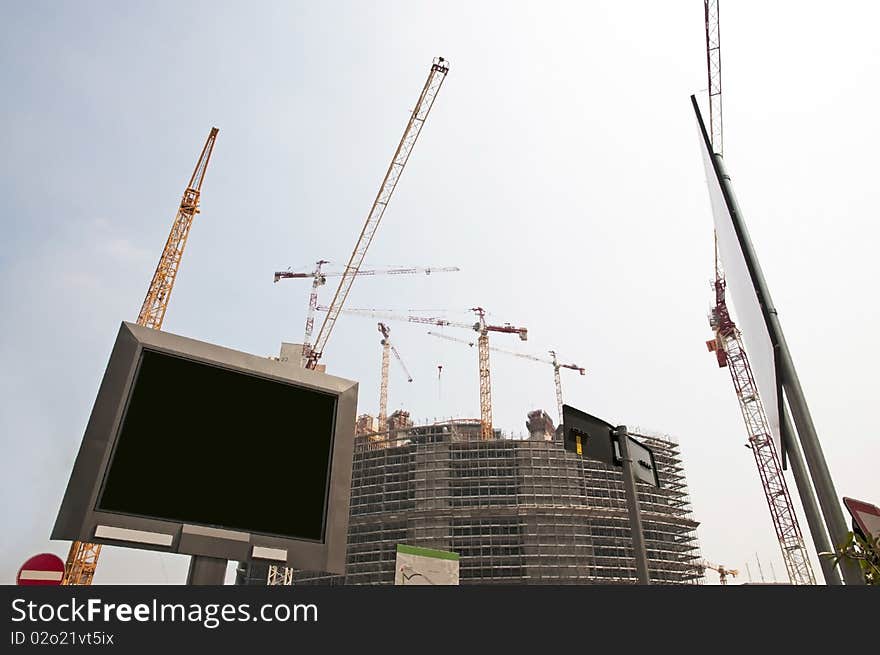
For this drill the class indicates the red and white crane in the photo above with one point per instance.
(730, 352)
(553, 361)
(481, 327)
(319, 279)
(387, 348)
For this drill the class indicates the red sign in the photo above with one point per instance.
(42, 569)
(866, 515)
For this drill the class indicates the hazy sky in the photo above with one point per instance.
(559, 169)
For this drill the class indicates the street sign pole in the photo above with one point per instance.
(593, 438)
(632, 504)
(206, 570)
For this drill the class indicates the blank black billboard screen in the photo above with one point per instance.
(211, 446)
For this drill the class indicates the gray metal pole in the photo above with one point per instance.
(206, 571)
(808, 501)
(632, 505)
(825, 492)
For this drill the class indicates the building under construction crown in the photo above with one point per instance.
(517, 511)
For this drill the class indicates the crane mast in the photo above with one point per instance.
(82, 559)
(318, 280)
(730, 352)
(713, 65)
(486, 430)
(557, 379)
(383, 388)
(387, 349)
(439, 69)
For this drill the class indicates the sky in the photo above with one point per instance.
(559, 170)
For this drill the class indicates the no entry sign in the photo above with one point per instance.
(41, 569)
(865, 515)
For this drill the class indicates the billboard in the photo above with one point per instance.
(158, 468)
(425, 566)
(751, 311)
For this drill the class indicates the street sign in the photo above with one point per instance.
(587, 435)
(865, 515)
(644, 466)
(42, 569)
(593, 438)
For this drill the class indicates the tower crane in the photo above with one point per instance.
(723, 571)
(319, 278)
(439, 69)
(482, 328)
(82, 559)
(387, 347)
(281, 575)
(553, 361)
(730, 352)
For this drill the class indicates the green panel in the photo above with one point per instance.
(426, 552)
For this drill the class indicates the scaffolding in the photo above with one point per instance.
(517, 511)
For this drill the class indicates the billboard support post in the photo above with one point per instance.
(205, 570)
(808, 500)
(632, 505)
(812, 449)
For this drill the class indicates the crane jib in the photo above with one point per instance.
(439, 69)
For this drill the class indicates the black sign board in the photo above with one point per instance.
(593, 438)
(644, 466)
(588, 436)
(154, 468)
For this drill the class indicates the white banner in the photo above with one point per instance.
(741, 290)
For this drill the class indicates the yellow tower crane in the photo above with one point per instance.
(553, 361)
(82, 560)
(387, 348)
(481, 328)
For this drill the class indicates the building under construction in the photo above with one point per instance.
(517, 511)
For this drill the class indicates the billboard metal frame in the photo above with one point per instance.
(79, 519)
(787, 381)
